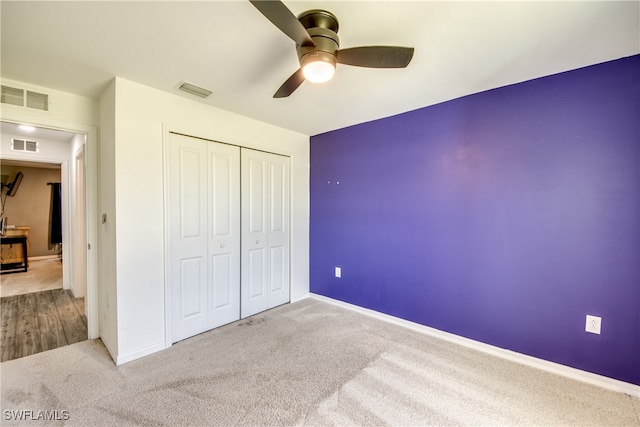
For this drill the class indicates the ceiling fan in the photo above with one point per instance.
(315, 33)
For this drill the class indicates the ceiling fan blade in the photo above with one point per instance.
(376, 56)
(290, 85)
(284, 19)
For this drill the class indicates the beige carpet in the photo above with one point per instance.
(42, 275)
(307, 363)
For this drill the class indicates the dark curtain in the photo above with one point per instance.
(55, 223)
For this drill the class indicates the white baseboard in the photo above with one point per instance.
(140, 353)
(110, 349)
(545, 365)
(43, 257)
(296, 298)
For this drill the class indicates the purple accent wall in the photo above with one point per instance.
(505, 217)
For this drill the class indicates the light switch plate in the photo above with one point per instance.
(338, 272)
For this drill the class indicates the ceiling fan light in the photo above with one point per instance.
(318, 66)
(318, 71)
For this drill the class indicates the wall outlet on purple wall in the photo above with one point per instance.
(593, 325)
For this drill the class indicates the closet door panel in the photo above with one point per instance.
(277, 269)
(222, 279)
(256, 277)
(265, 234)
(188, 225)
(278, 240)
(191, 290)
(254, 179)
(204, 235)
(224, 234)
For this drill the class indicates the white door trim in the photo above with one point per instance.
(91, 208)
(166, 142)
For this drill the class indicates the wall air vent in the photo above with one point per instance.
(12, 96)
(24, 98)
(24, 145)
(39, 101)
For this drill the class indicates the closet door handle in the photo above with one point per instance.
(222, 246)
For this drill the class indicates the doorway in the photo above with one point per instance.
(48, 297)
(26, 213)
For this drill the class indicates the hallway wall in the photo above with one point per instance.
(30, 206)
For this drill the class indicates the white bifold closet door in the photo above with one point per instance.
(228, 231)
(204, 235)
(265, 231)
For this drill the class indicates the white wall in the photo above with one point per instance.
(49, 151)
(65, 109)
(127, 309)
(142, 118)
(31, 205)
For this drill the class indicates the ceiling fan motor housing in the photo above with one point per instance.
(322, 26)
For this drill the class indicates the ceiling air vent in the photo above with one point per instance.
(24, 145)
(194, 90)
(25, 98)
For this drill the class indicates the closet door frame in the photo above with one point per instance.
(167, 131)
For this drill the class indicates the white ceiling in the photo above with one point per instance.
(37, 134)
(26, 164)
(229, 47)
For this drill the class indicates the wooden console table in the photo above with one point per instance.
(12, 260)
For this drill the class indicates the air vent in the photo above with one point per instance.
(25, 98)
(12, 96)
(39, 101)
(24, 145)
(194, 90)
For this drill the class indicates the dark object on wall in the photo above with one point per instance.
(55, 223)
(12, 188)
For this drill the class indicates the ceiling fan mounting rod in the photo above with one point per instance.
(319, 18)
(322, 26)
(325, 40)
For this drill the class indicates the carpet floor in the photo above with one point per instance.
(43, 275)
(308, 363)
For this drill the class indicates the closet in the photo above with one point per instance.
(228, 233)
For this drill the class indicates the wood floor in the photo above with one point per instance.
(41, 321)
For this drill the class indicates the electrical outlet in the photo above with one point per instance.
(338, 272)
(593, 324)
